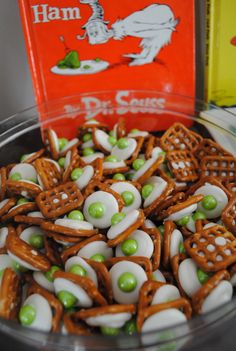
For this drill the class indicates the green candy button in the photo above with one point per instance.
(62, 142)
(78, 269)
(27, 315)
(112, 140)
(138, 163)
(98, 257)
(127, 282)
(22, 201)
(16, 176)
(111, 158)
(36, 240)
(147, 190)
(129, 247)
(117, 218)
(202, 276)
(67, 299)
(88, 151)
(96, 210)
(183, 221)
(61, 162)
(76, 174)
(118, 176)
(109, 331)
(122, 143)
(209, 202)
(130, 327)
(76, 214)
(87, 137)
(49, 274)
(128, 197)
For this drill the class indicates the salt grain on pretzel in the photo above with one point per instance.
(223, 167)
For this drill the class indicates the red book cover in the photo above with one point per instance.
(81, 46)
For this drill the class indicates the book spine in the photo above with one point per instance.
(25, 12)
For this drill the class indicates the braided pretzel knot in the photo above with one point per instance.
(127, 232)
(73, 326)
(60, 200)
(210, 148)
(10, 294)
(99, 311)
(104, 279)
(48, 173)
(183, 165)
(228, 215)
(55, 304)
(212, 249)
(144, 262)
(181, 303)
(49, 226)
(199, 297)
(86, 283)
(73, 250)
(3, 179)
(20, 186)
(22, 209)
(25, 252)
(223, 167)
(178, 137)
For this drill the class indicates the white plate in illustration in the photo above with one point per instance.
(87, 67)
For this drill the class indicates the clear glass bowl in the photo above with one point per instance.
(147, 110)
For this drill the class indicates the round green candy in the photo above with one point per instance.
(88, 151)
(111, 158)
(87, 137)
(76, 214)
(181, 248)
(33, 180)
(18, 268)
(27, 315)
(78, 269)
(130, 327)
(98, 258)
(183, 221)
(117, 218)
(62, 142)
(127, 282)
(22, 201)
(109, 331)
(129, 176)
(67, 299)
(76, 173)
(1, 273)
(209, 202)
(61, 162)
(138, 163)
(147, 190)
(49, 274)
(128, 197)
(112, 140)
(36, 240)
(23, 158)
(118, 176)
(161, 229)
(202, 276)
(16, 176)
(122, 143)
(198, 215)
(135, 130)
(129, 247)
(111, 133)
(96, 210)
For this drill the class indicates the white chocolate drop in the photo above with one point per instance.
(220, 295)
(121, 187)
(166, 293)
(145, 244)
(188, 276)
(115, 320)
(120, 227)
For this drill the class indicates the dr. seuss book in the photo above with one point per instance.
(221, 52)
(82, 46)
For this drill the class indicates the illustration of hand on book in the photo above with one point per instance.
(71, 64)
